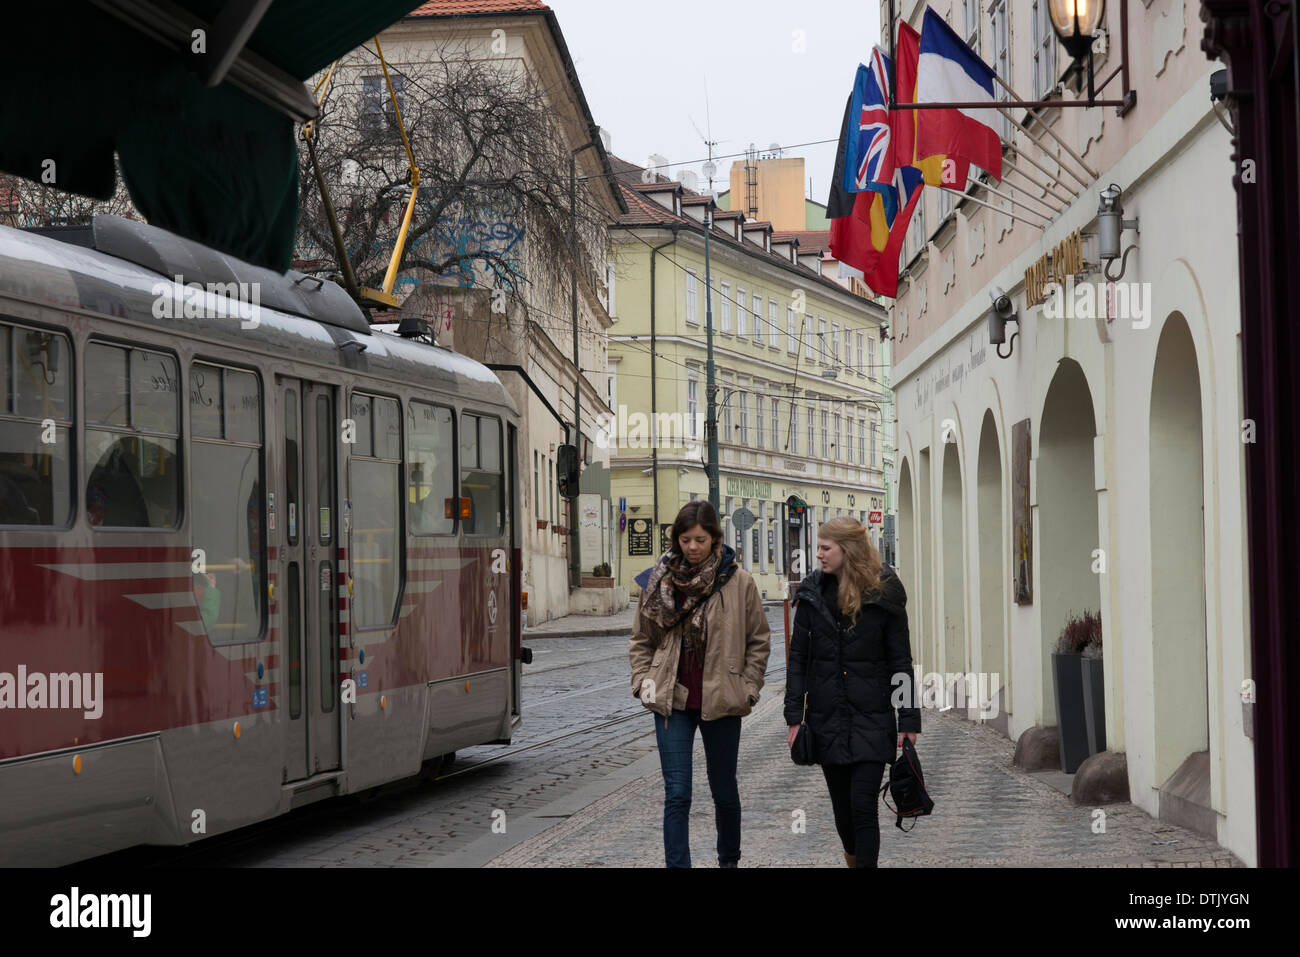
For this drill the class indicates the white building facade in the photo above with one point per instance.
(1100, 466)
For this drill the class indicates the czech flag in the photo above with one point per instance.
(948, 71)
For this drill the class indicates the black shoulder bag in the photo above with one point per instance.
(801, 751)
(907, 787)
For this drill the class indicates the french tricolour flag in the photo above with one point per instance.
(948, 71)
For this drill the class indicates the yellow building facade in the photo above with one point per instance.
(799, 367)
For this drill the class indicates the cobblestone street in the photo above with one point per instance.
(987, 813)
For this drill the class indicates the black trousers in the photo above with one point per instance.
(855, 791)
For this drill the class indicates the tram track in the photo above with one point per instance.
(637, 711)
(223, 846)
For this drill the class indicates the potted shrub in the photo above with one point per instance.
(1094, 687)
(1067, 680)
(600, 577)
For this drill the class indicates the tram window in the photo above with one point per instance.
(35, 428)
(362, 435)
(293, 615)
(329, 653)
(431, 469)
(480, 474)
(228, 511)
(324, 469)
(292, 505)
(132, 432)
(376, 557)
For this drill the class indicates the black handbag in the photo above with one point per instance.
(802, 751)
(907, 787)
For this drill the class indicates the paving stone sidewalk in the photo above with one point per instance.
(988, 814)
(584, 626)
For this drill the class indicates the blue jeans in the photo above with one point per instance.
(676, 738)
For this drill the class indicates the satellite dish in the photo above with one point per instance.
(689, 179)
(775, 149)
(710, 169)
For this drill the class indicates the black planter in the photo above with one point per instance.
(1094, 703)
(1067, 678)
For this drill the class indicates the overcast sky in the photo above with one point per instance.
(644, 68)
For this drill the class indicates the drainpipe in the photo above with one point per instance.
(654, 401)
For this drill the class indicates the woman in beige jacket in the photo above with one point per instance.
(698, 654)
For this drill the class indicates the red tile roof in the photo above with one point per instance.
(460, 8)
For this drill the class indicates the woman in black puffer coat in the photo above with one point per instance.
(848, 643)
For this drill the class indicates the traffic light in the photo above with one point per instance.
(568, 467)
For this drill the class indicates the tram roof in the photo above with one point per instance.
(186, 261)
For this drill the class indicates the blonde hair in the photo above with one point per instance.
(861, 572)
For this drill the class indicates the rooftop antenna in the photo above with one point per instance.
(709, 168)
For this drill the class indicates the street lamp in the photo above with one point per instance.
(1076, 23)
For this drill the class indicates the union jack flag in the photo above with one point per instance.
(870, 163)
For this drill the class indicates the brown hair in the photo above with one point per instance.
(701, 513)
(860, 574)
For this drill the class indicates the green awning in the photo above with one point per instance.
(215, 165)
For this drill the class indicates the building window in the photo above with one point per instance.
(1002, 56)
(794, 426)
(848, 347)
(760, 434)
(727, 434)
(692, 403)
(822, 354)
(743, 399)
(873, 439)
(971, 23)
(1043, 40)
(773, 327)
(871, 358)
(537, 497)
(377, 106)
(839, 445)
(792, 340)
(826, 442)
(430, 451)
(758, 320)
(132, 430)
(776, 429)
(812, 433)
(36, 476)
(862, 368)
(726, 307)
(742, 320)
(609, 288)
(835, 343)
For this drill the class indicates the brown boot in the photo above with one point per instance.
(850, 859)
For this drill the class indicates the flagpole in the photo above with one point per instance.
(1037, 141)
(1066, 146)
(1017, 202)
(1055, 177)
(1028, 193)
(996, 209)
(1015, 169)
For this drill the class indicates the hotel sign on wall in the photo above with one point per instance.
(1066, 259)
(748, 488)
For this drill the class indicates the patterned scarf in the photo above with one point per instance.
(695, 583)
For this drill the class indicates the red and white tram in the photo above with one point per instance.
(300, 582)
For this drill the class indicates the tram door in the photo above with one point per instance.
(309, 631)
